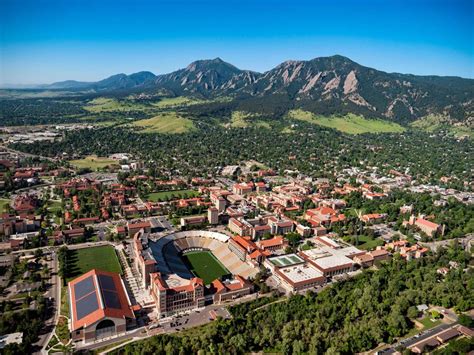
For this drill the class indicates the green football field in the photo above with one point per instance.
(204, 265)
(101, 258)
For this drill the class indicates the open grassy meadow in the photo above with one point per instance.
(168, 102)
(103, 104)
(350, 123)
(168, 195)
(242, 119)
(204, 264)
(93, 162)
(166, 122)
(433, 123)
(84, 260)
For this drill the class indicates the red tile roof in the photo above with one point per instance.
(102, 311)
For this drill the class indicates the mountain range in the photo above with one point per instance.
(324, 85)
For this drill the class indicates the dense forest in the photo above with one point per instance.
(348, 317)
(457, 217)
(306, 148)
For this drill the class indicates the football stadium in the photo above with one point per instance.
(200, 254)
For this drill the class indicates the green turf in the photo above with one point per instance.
(101, 258)
(350, 123)
(366, 243)
(428, 323)
(286, 260)
(93, 162)
(3, 204)
(54, 206)
(167, 195)
(167, 122)
(204, 265)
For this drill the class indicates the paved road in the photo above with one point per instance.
(172, 324)
(7, 149)
(417, 338)
(465, 242)
(54, 295)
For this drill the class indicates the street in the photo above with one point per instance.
(417, 338)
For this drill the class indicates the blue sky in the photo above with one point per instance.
(43, 41)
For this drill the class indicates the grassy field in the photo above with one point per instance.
(242, 119)
(433, 123)
(350, 123)
(84, 260)
(167, 102)
(93, 162)
(167, 195)
(167, 122)
(366, 243)
(103, 104)
(205, 265)
(428, 323)
(54, 206)
(4, 202)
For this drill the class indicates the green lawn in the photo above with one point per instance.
(204, 264)
(166, 195)
(166, 122)
(350, 123)
(54, 206)
(427, 323)
(102, 258)
(4, 202)
(366, 243)
(93, 162)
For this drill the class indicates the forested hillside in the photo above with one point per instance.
(325, 85)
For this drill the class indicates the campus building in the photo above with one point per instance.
(273, 245)
(143, 258)
(229, 290)
(294, 273)
(213, 215)
(171, 300)
(246, 249)
(333, 259)
(99, 306)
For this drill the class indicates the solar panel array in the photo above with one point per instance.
(106, 282)
(84, 287)
(86, 305)
(111, 299)
(109, 292)
(86, 297)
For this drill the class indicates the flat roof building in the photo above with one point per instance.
(300, 277)
(330, 262)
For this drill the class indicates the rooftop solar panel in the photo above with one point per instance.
(111, 299)
(107, 282)
(84, 287)
(86, 305)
